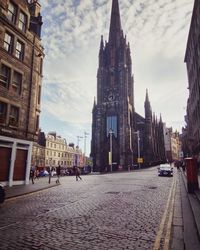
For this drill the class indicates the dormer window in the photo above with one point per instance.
(22, 21)
(12, 11)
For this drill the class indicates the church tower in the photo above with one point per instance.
(148, 133)
(113, 111)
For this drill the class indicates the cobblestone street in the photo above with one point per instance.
(113, 211)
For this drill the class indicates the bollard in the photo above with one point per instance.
(192, 174)
(2, 194)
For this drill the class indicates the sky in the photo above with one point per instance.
(157, 31)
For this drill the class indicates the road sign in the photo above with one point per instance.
(139, 160)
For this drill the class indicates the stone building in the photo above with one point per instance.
(55, 150)
(38, 151)
(119, 135)
(151, 137)
(58, 152)
(167, 140)
(114, 109)
(192, 59)
(21, 57)
(175, 146)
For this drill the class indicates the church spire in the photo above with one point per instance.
(147, 106)
(147, 96)
(115, 23)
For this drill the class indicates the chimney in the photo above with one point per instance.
(34, 8)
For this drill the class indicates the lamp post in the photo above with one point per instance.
(110, 153)
(77, 158)
(85, 136)
(78, 139)
(138, 146)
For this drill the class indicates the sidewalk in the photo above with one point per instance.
(40, 184)
(186, 219)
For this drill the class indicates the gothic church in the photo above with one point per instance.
(115, 124)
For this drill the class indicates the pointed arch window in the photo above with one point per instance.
(111, 125)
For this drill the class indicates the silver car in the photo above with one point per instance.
(165, 170)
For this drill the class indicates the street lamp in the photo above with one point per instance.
(138, 146)
(85, 136)
(110, 153)
(78, 139)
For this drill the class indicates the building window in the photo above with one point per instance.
(22, 21)
(112, 125)
(41, 65)
(19, 50)
(37, 122)
(5, 76)
(8, 42)
(12, 11)
(3, 111)
(17, 82)
(14, 116)
(39, 96)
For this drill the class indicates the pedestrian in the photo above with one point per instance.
(49, 171)
(58, 174)
(36, 175)
(32, 174)
(77, 173)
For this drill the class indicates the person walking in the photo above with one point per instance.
(32, 174)
(58, 174)
(77, 173)
(50, 170)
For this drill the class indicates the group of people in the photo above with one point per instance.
(58, 173)
(34, 173)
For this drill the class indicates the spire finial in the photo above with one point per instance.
(115, 23)
(147, 96)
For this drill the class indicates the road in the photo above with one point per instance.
(112, 211)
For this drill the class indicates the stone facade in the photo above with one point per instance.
(21, 58)
(113, 111)
(192, 60)
(119, 134)
(53, 150)
(151, 136)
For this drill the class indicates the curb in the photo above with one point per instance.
(194, 200)
(30, 192)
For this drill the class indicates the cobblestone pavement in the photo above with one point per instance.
(113, 211)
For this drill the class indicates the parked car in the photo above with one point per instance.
(43, 173)
(165, 170)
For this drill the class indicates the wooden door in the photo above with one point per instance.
(20, 165)
(5, 156)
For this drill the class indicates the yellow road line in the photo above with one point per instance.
(169, 225)
(161, 228)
